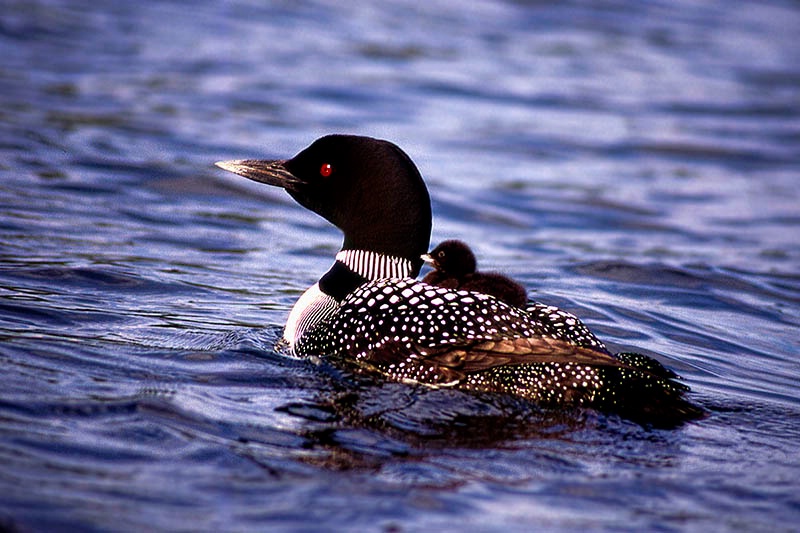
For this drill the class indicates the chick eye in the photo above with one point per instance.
(326, 170)
(441, 254)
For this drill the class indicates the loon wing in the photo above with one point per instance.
(482, 355)
(449, 364)
(548, 371)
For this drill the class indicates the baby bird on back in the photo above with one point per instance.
(455, 265)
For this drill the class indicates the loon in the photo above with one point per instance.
(455, 265)
(369, 310)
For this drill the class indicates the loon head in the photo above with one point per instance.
(452, 257)
(368, 188)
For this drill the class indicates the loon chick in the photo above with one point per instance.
(368, 309)
(455, 265)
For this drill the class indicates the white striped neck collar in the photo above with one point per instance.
(372, 265)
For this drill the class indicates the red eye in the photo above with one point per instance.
(326, 170)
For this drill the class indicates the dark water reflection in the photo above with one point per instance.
(633, 163)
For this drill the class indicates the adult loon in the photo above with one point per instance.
(369, 310)
(454, 267)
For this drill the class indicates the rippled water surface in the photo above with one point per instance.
(636, 163)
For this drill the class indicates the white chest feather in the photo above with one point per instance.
(312, 307)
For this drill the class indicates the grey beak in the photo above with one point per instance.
(270, 172)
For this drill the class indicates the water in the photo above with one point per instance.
(634, 163)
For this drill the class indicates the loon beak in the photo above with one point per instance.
(270, 172)
(428, 259)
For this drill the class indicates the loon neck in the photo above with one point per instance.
(355, 267)
(373, 265)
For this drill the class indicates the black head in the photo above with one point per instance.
(368, 188)
(452, 257)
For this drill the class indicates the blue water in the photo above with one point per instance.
(636, 163)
